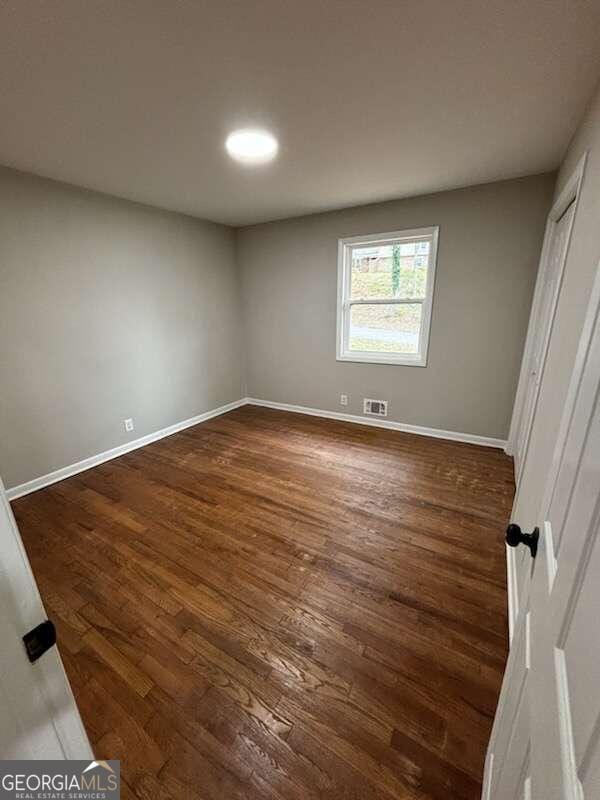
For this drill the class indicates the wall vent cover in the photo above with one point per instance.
(375, 408)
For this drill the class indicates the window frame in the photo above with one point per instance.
(345, 303)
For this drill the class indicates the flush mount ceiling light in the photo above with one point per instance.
(251, 146)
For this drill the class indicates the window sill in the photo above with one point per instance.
(400, 361)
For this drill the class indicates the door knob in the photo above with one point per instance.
(515, 536)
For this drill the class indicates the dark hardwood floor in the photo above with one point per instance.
(271, 605)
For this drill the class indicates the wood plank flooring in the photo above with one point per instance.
(282, 607)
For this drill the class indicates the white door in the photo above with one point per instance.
(549, 290)
(546, 739)
(557, 237)
(38, 715)
(507, 769)
(545, 314)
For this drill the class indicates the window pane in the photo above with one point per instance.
(391, 270)
(385, 328)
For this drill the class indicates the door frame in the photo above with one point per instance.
(570, 193)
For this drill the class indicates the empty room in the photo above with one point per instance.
(299, 400)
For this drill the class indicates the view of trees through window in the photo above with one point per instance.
(389, 271)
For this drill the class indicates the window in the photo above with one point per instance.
(385, 291)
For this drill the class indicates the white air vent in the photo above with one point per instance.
(376, 408)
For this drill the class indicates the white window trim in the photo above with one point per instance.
(343, 291)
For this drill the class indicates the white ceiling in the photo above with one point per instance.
(370, 99)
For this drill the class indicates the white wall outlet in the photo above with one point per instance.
(343, 399)
(128, 423)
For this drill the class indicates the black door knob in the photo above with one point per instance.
(515, 536)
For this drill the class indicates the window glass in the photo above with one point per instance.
(386, 271)
(385, 328)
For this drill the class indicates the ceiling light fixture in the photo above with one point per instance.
(252, 146)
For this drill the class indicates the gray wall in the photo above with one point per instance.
(580, 269)
(489, 247)
(108, 310)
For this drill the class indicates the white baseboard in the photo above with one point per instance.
(115, 452)
(436, 433)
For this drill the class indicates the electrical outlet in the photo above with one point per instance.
(128, 425)
(343, 399)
